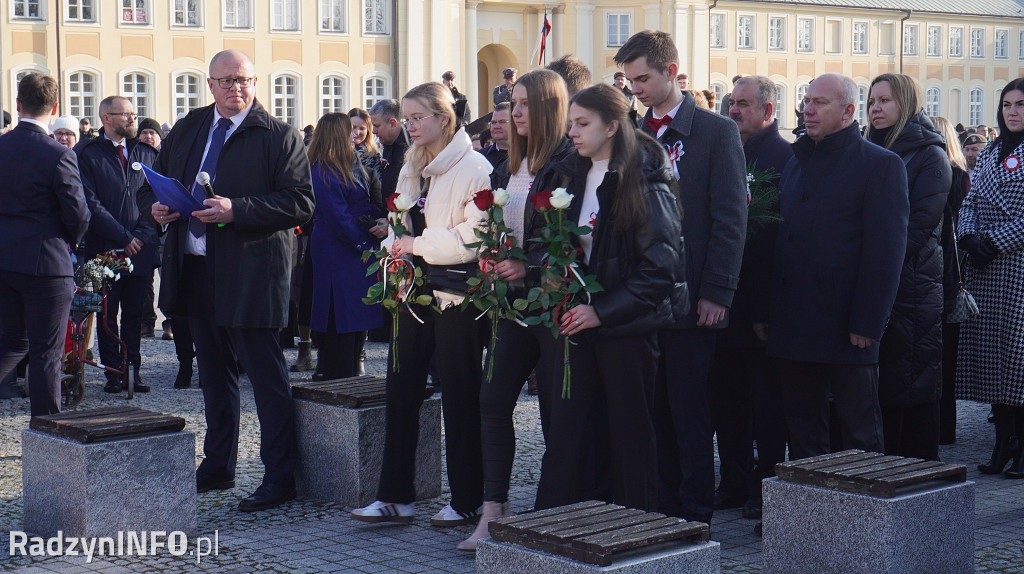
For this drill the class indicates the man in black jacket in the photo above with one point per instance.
(111, 169)
(744, 385)
(384, 115)
(226, 268)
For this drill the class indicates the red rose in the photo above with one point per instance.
(541, 200)
(391, 201)
(483, 199)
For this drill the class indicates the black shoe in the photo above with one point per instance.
(113, 386)
(147, 331)
(168, 330)
(184, 378)
(266, 497)
(531, 384)
(206, 483)
(726, 500)
(140, 387)
(752, 509)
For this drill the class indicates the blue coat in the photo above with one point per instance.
(337, 247)
(840, 248)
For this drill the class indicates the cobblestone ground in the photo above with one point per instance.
(308, 536)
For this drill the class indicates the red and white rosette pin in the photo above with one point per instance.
(1011, 163)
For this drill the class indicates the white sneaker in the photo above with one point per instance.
(385, 512)
(448, 516)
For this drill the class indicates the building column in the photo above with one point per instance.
(585, 34)
(700, 63)
(652, 17)
(680, 29)
(558, 31)
(469, 87)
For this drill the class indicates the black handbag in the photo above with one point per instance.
(965, 307)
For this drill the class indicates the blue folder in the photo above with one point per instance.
(172, 193)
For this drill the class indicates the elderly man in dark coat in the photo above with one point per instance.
(227, 268)
(838, 257)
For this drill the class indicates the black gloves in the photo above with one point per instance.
(982, 251)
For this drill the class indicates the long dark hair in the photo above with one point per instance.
(608, 102)
(1017, 84)
(330, 146)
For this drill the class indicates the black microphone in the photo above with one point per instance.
(203, 179)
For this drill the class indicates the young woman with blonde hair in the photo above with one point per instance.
(440, 176)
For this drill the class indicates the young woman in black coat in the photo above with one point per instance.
(623, 189)
(910, 353)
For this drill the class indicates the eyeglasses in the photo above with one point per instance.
(227, 83)
(126, 115)
(415, 121)
(500, 123)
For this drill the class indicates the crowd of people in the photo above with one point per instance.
(806, 296)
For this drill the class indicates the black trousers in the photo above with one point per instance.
(34, 319)
(853, 389)
(912, 431)
(218, 351)
(569, 467)
(620, 374)
(127, 295)
(746, 400)
(947, 404)
(184, 345)
(454, 335)
(682, 424)
(148, 310)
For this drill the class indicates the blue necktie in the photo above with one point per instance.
(195, 227)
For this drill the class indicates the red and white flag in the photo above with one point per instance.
(542, 39)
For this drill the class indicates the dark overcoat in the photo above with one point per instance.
(840, 248)
(264, 170)
(708, 156)
(910, 356)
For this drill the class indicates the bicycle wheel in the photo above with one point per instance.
(72, 388)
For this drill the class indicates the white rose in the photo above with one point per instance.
(108, 272)
(500, 197)
(560, 199)
(404, 203)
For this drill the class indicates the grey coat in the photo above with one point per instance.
(708, 157)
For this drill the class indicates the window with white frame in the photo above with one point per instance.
(777, 33)
(332, 95)
(718, 88)
(780, 100)
(956, 42)
(286, 99)
(860, 38)
(375, 89)
(804, 35)
(27, 9)
(1001, 46)
(886, 39)
(332, 15)
(135, 87)
(237, 14)
(375, 16)
(910, 40)
(934, 41)
(801, 92)
(187, 93)
(977, 42)
(135, 11)
(717, 38)
(862, 105)
(284, 15)
(616, 29)
(745, 32)
(933, 101)
(81, 11)
(82, 89)
(186, 13)
(975, 107)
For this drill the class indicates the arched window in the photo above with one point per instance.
(135, 86)
(376, 89)
(976, 107)
(82, 89)
(862, 105)
(187, 93)
(933, 101)
(332, 95)
(780, 101)
(719, 90)
(286, 99)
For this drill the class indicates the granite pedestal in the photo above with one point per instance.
(929, 530)
(341, 451)
(504, 558)
(98, 489)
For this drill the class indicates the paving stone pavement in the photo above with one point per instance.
(308, 536)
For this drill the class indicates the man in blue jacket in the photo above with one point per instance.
(838, 258)
(111, 168)
(42, 212)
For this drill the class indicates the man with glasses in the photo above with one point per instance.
(497, 152)
(226, 267)
(65, 131)
(111, 168)
(387, 125)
